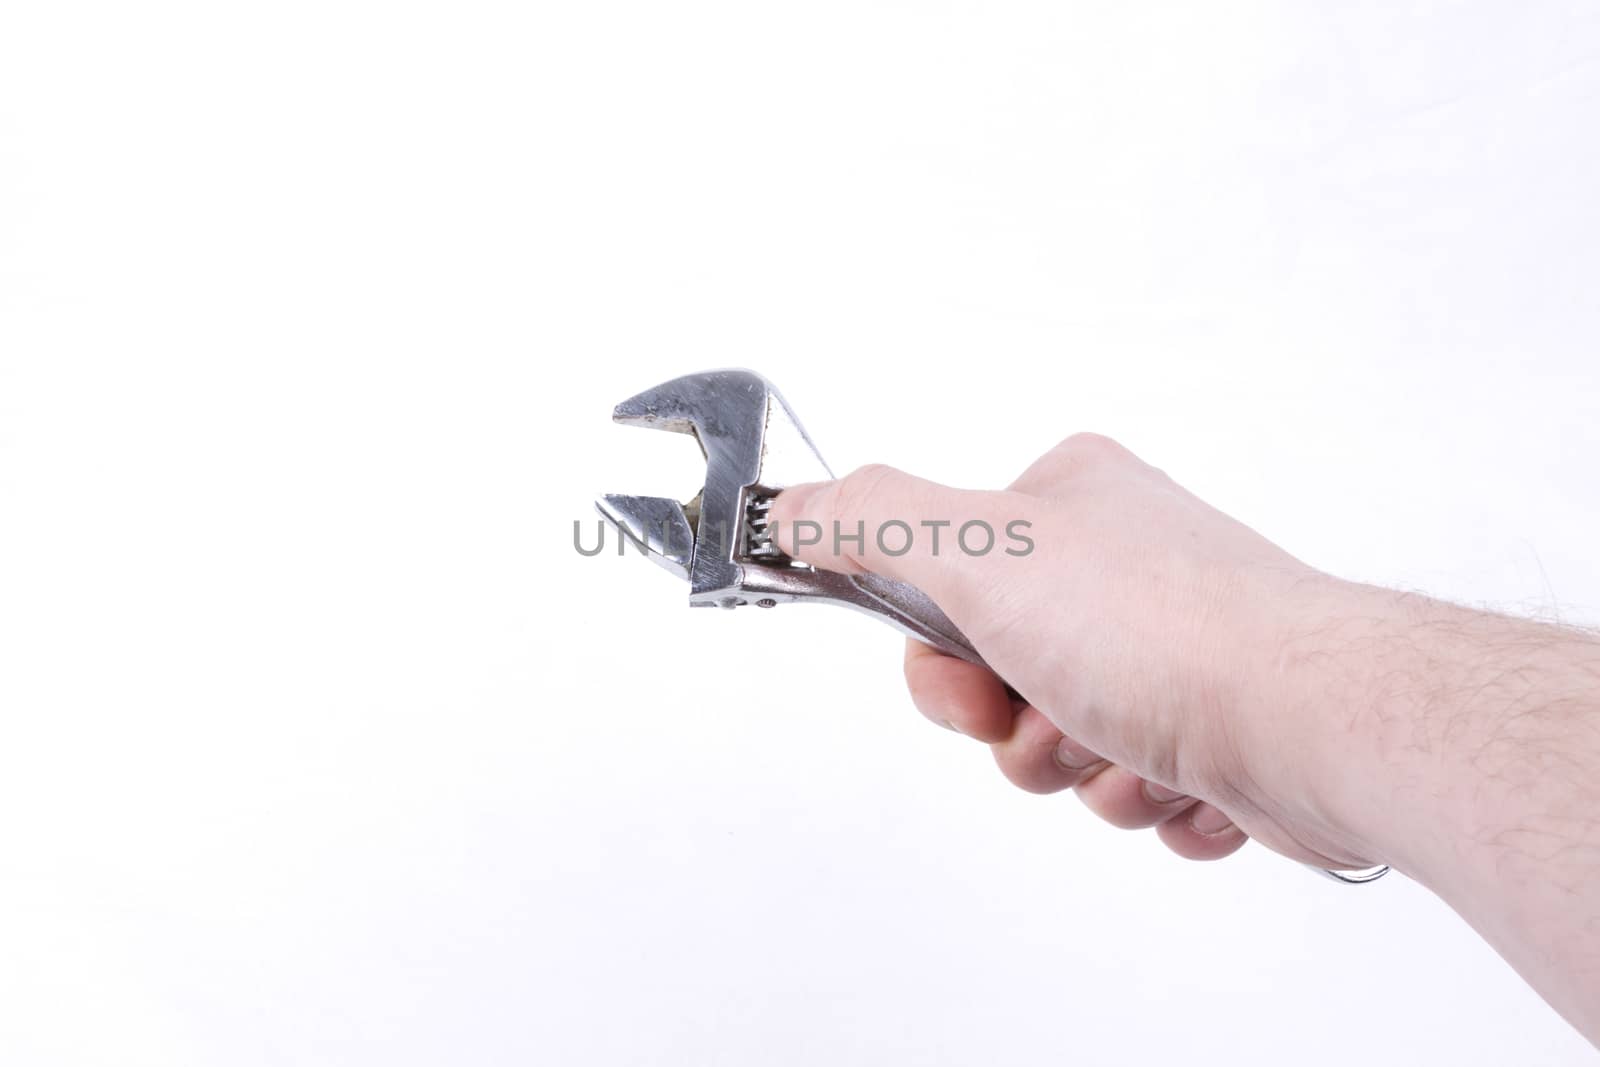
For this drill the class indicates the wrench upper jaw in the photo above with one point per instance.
(720, 408)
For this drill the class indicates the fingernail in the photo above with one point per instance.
(1209, 821)
(948, 725)
(1073, 756)
(1160, 794)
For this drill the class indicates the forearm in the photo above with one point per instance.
(1468, 755)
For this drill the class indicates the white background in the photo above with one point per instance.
(319, 744)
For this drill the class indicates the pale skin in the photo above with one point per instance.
(1182, 673)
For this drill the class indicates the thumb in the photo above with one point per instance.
(950, 543)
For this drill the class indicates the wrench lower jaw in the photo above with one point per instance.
(654, 524)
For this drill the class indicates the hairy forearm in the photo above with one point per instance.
(1480, 735)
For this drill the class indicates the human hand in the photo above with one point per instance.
(1143, 632)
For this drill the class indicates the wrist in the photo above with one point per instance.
(1426, 735)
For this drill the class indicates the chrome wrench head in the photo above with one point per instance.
(754, 446)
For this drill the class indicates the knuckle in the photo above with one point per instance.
(1075, 457)
(1024, 768)
(1114, 796)
(1115, 816)
(1087, 447)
